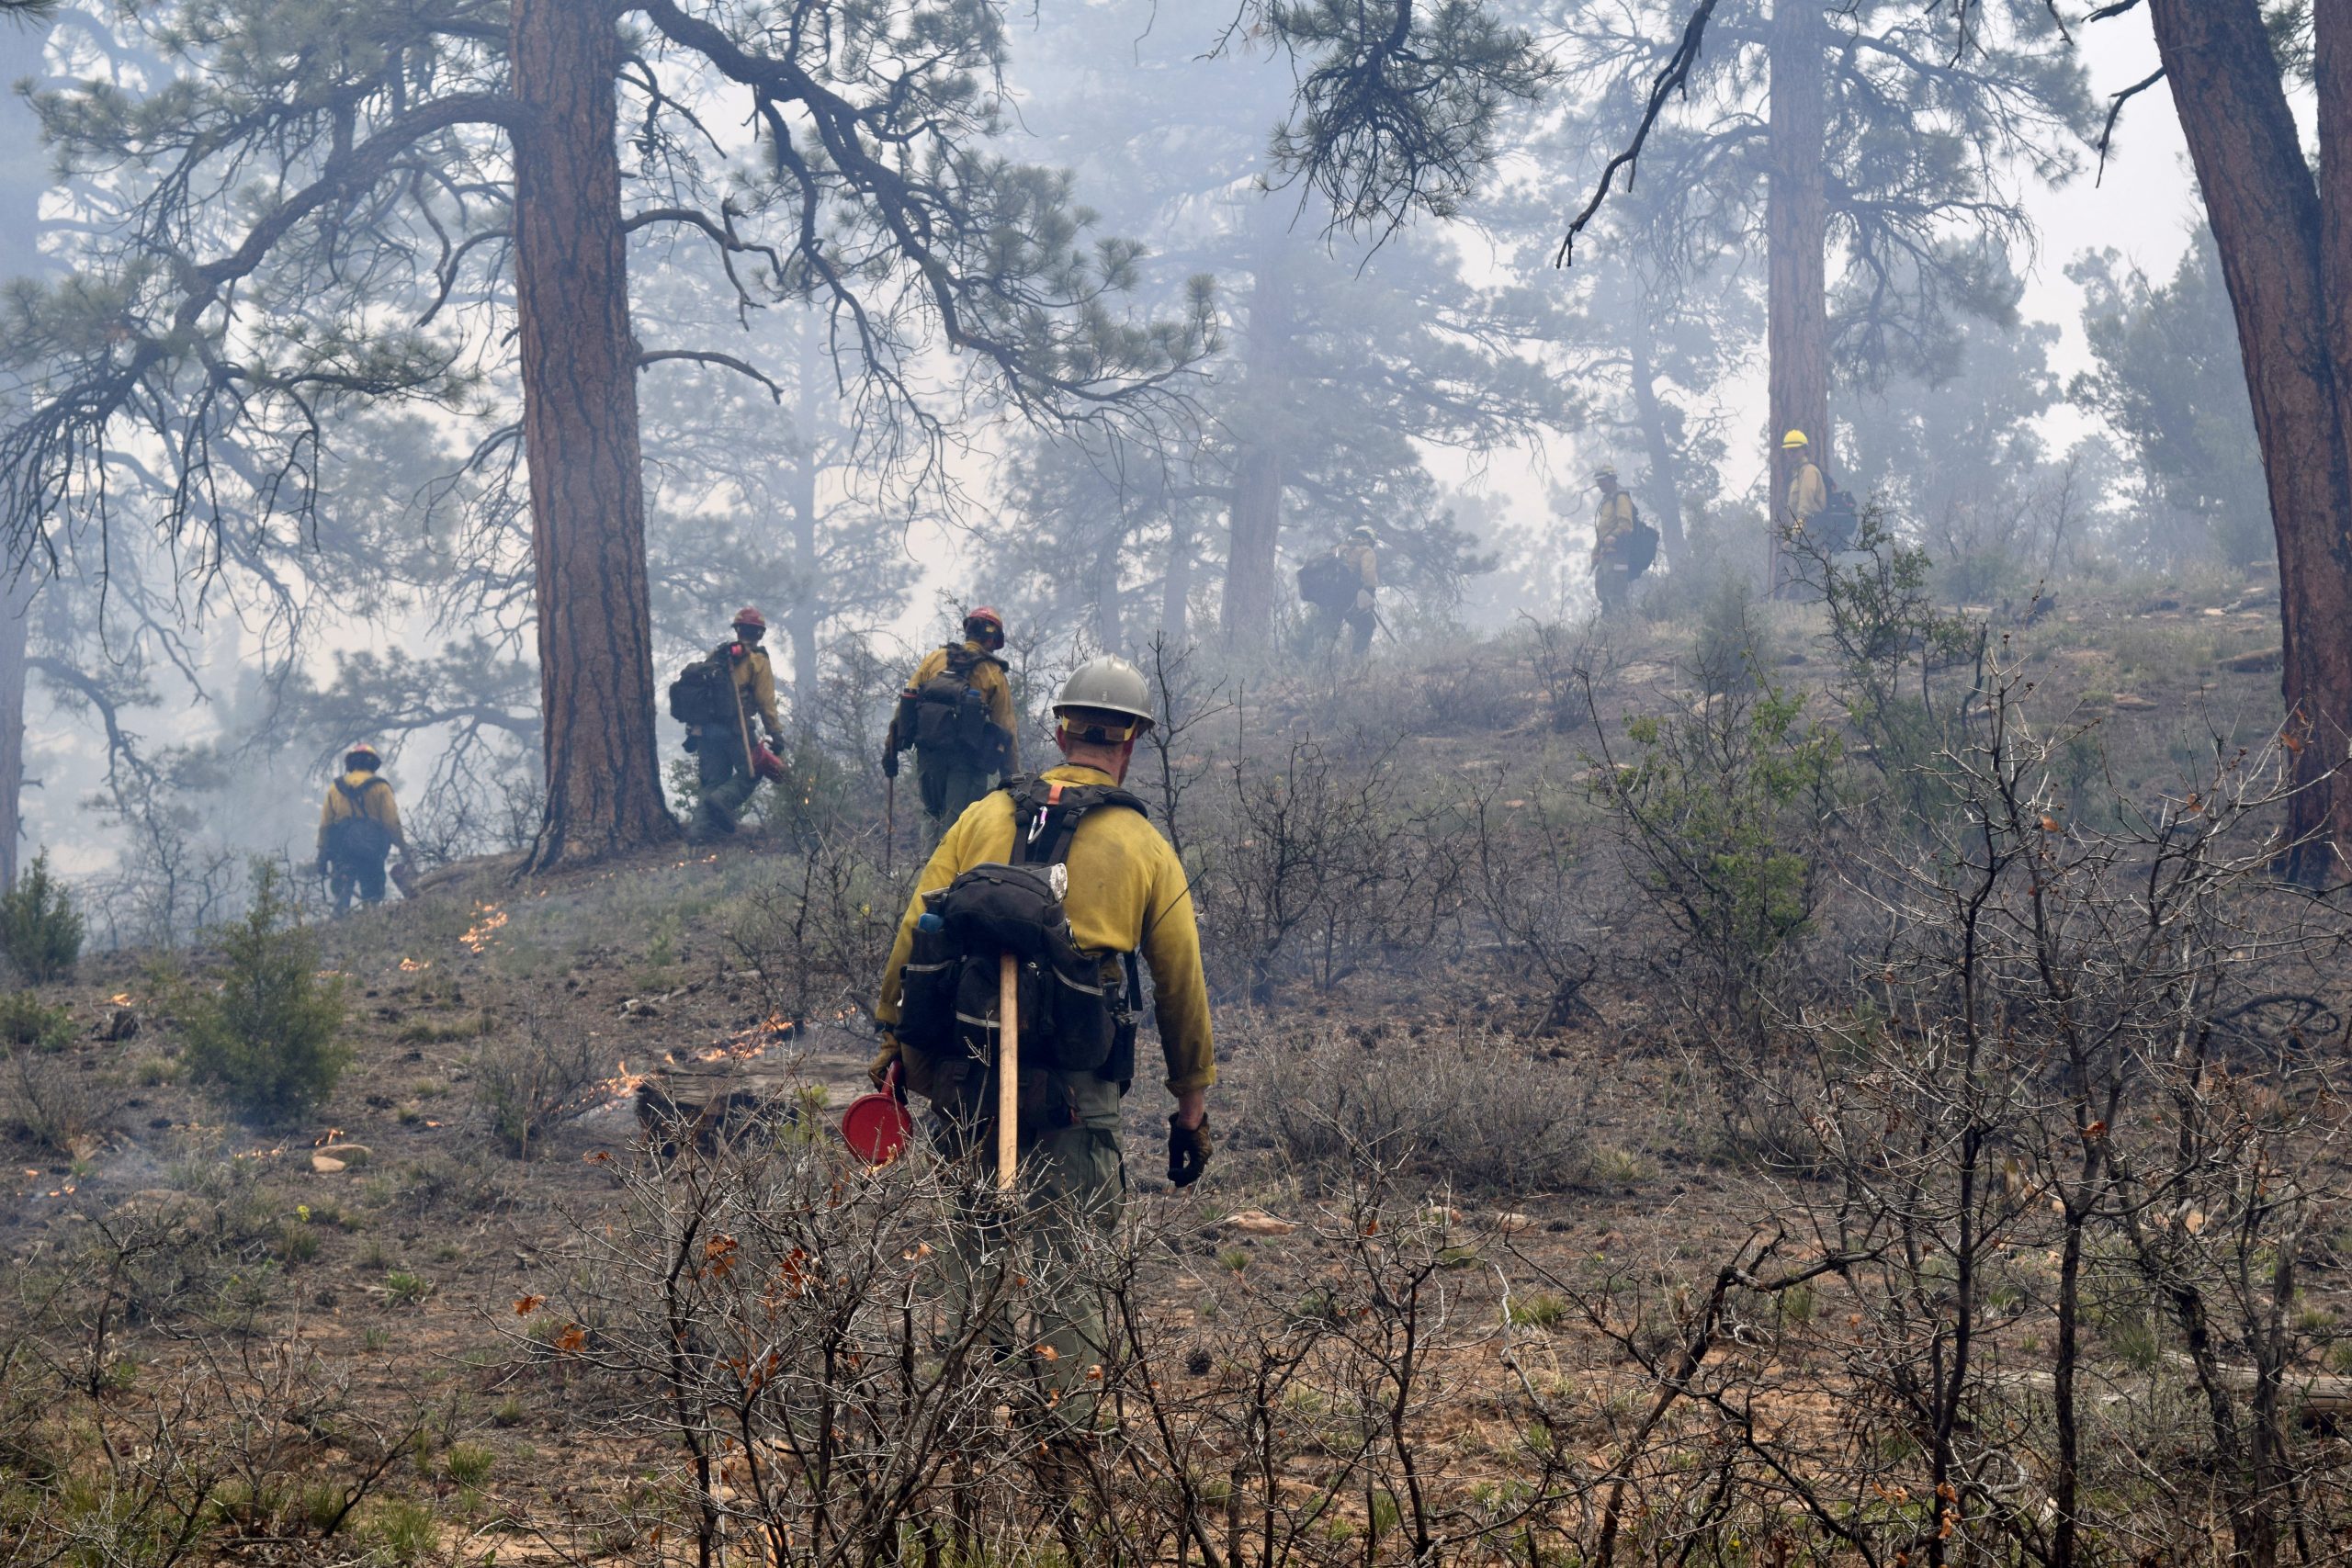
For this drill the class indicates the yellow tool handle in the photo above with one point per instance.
(1008, 1071)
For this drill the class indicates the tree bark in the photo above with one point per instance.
(1176, 587)
(16, 624)
(2286, 248)
(579, 432)
(1105, 589)
(23, 179)
(801, 615)
(1666, 470)
(1796, 252)
(1251, 572)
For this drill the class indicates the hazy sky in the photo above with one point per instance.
(2144, 206)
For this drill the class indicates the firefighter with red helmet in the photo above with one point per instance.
(956, 715)
(730, 761)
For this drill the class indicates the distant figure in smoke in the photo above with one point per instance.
(1623, 544)
(1340, 587)
(957, 715)
(358, 827)
(731, 685)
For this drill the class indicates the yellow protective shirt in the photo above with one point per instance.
(1127, 894)
(754, 676)
(1808, 493)
(375, 802)
(987, 679)
(1612, 524)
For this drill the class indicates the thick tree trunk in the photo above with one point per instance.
(23, 179)
(1796, 252)
(2287, 257)
(15, 623)
(1176, 587)
(801, 615)
(580, 432)
(1105, 586)
(1665, 488)
(1251, 567)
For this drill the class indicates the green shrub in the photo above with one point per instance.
(41, 932)
(267, 1040)
(27, 1026)
(469, 1465)
(404, 1530)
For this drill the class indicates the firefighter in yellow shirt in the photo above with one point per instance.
(359, 826)
(957, 715)
(1127, 894)
(1616, 524)
(728, 764)
(1808, 491)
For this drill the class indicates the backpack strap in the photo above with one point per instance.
(1045, 816)
(357, 798)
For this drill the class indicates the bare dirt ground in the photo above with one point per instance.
(394, 1232)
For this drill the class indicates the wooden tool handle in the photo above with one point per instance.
(1008, 1070)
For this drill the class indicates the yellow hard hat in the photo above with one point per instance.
(1792, 440)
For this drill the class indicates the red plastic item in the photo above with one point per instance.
(876, 1125)
(766, 764)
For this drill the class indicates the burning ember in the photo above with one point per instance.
(622, 1082)
(745, 1044)
(412, 965)
(488, 918)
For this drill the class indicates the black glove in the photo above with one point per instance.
(890, 765)
(1188, 1151)
(321, 866)
(693, 743)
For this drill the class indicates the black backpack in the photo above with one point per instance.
(1073, 1019)
(1641, 550)
(1840, 519)
(948, 716)
(1329, 582)
(358, 836)
(703, 692)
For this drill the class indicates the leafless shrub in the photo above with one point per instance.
(231, 1443)
(809, 939)
(1532, 882)
(1317, 862)
(1469, 1108)
(53, 1102)
(2046, 1308)
(527, 1082)
(792, 1324)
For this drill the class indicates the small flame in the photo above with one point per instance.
(412, 965)
(487, 919)
(120, 999)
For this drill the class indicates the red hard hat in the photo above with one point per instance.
(747, 616)
(986, 614)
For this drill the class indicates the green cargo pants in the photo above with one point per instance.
(949, 786)
(726, 783)
(1075, 1181)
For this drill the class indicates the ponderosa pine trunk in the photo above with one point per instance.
(23, 180)
(1665, 488)
(802, 614)
(1251, 565)
(2285, 241)
(1796, 254)
(580, 434)
(16, 624)
(1176, 588)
